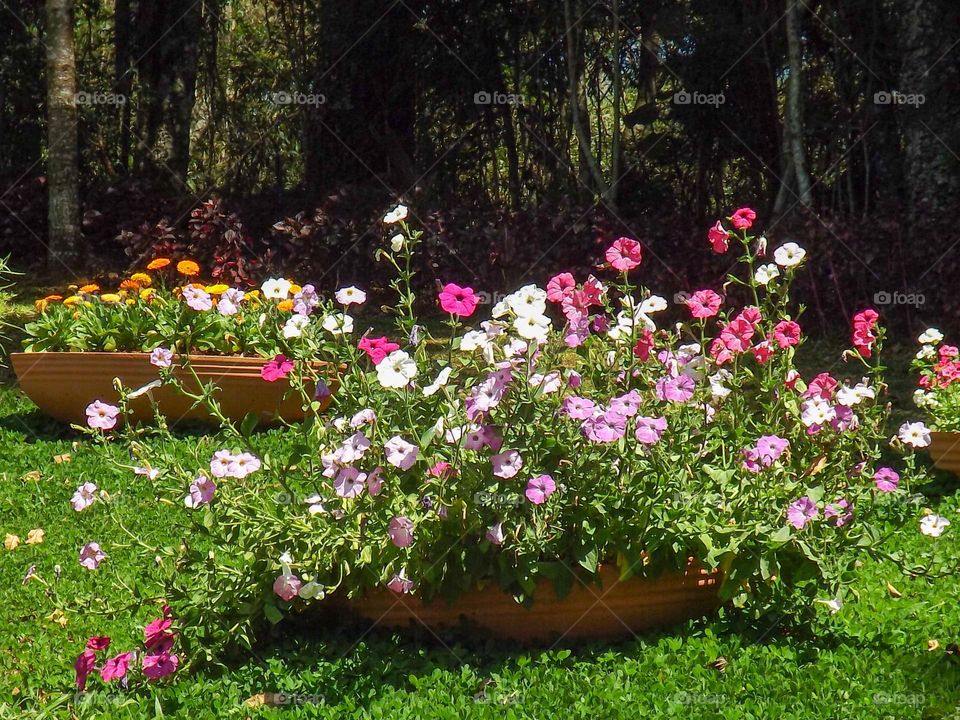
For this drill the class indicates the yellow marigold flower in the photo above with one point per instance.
(110, 298)
(253, 295)
(285, 305)
(188, 268)
(91, 288)
(142, 279)
(147, 294)
(218, 289)
(294, 289)
(72, 300)
(158, 263)
(130, 301)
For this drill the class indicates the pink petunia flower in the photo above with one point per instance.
(649, 430)
(276, 369)
(627, 405)
(400, 453)
(243, 464)
(102, 416)
(742, 219)
(719, 238)
(201, 492)
(377, 348)
(540, 488)
(349, 482)
(161, 357)
(839, 509)
(220, 463)
(560, 287)
(286, 586)
(887, 479)
(98, 643)
(578, 408)
(400, 583)
(624, 255)
(91, 556)
(736, 334)
(84, 496)
(605, 427)
(786, 333)
(459, 301)
(506, 464)
(704, 303)
(675, 389)
(801, 512)
(375, 481)
(400, 531)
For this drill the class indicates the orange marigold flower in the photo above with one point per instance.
(130, 284)
(142, 279)
(42, 304)
(158, 263)
(188, 268)
(91, 288)
(285, 305)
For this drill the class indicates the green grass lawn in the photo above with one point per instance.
(872, 660)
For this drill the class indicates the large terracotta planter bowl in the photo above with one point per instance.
(62, 384)
(945, 451)
(617, 609)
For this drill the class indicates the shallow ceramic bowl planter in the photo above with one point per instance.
(62, 384)
(615, 609)
(945, 451)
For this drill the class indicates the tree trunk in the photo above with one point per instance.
(617, 107)
(63, 194)
(794, 108)
(123, 76)
(928, 72)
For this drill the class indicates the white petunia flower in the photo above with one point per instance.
(850, 396)
(396, 215)
(276, 288)
(528, 301)
(396, 370)
(930, 336)
(396, 242)
(351, 296)
(925, 400)
(441, 380)
(816, 411)
(653, 304)
(914, 434)
(789, 255)
(933, 525)
(766, 273)
(534, 327)
(338, 324)
(295, 325)
(926, 352)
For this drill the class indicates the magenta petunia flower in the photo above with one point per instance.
(156, 666)
(704, 303)
(786, 333)
(560, 287)
(540, 488)
(98, 643)
(102, 416)
(157, 632)
(506, 464)
(116, 667)
(802, 511)
(400, 531)
(742, 219)
(624, 255)
(719, 238)
(400, 583)
(459, 301)
(84, 666)
(377, 348)
(91, 556)
(276, 369)
(887, 479)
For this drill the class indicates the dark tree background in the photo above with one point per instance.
(524, 135)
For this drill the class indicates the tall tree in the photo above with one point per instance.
(63, 211)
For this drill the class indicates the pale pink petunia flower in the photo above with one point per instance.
(506, 464)
(286, 586)
(802, 511)
(243, 464)
(91, 556)
(161, 357)
(400, 583)
(349, 482)
(84, 496)
(495, 533)
(400, 453)
(539, 489)
(101, 415)
(201, 492)
(650, 429)
(400, 531)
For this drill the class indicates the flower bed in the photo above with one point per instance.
(582, 428)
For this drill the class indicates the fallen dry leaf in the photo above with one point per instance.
(35, 536)
(256, 701)
(59, 617)
(64, 458)
(10, 542)
(32, 476)
(720, 664)
(932, 645)
(893, 591)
